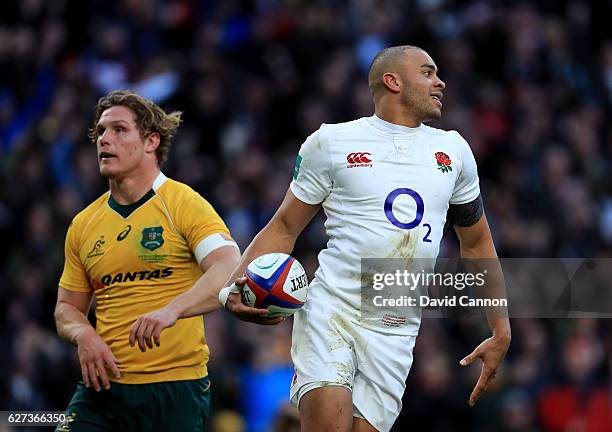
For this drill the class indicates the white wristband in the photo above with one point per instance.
(225, 292)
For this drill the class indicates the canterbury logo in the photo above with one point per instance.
(359, 159)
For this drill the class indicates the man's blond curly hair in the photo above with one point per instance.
(150, 118)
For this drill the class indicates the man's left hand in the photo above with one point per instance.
(150, 326)
(491, 351)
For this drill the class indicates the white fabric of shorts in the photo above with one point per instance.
(329, 350)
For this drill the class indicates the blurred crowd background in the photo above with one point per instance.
(529, 85)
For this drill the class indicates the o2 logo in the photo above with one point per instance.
(420, 209)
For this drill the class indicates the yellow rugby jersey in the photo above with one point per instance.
(137, 258)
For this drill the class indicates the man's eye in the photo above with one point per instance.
(118, 129)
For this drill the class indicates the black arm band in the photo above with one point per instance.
(465, 215)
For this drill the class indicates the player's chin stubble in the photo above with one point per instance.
(430, 112)
(422, 108)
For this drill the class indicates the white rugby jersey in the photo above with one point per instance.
(385, 190)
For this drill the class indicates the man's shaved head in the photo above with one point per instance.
(386, 61)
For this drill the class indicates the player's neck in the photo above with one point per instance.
(129, 188)
(393, 114)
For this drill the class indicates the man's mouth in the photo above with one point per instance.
(105, 156)
(437, 97)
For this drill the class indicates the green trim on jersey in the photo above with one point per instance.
(126, 210)
(298, 164)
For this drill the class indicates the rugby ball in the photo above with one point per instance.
(277, 282)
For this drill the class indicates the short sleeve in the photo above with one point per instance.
(467, 186)
(312, 180)
(201, 226)
(74, 277)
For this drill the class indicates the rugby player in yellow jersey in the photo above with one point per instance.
(150, 251)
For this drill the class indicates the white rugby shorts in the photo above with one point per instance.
(329, 350)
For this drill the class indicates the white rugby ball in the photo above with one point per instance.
(277, 282)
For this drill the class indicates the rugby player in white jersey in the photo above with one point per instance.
(381, 184)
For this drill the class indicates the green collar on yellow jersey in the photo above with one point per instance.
(126, 210)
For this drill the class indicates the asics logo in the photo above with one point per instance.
(124, 233)
(358, 157)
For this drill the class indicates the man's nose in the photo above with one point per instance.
(104, 138)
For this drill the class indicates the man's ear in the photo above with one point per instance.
(392, 81)
(152, 142)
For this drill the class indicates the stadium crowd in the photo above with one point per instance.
(529, 85)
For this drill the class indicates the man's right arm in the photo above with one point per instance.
(71, 315)
(72, 325)
(279, 235)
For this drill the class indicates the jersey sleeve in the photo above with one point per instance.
(312, 177)
(201, 226)
(74, 277)
(467, 186)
